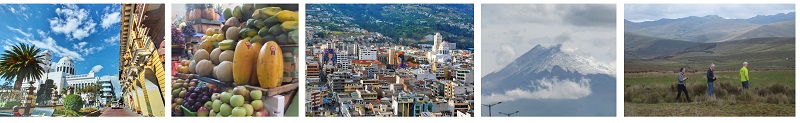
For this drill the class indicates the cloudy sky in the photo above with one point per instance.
(652, 12)
(88, 33)
(509, 31)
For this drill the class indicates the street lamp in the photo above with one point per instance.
(509, 114)
(490, 107)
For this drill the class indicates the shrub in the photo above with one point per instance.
(729, 87)
(12, 104)
(87, 110)
(779, 89)
(777, 99)
(65, 112)
(73, 102)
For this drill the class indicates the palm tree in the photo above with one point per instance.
(21, 62)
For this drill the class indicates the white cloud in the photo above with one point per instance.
(19, 31)
(516, 29)
(81, 47)
(552, 88)
(109, 19)
(97, 68)
(73, 22)
(48, 43)
(82, 44)
(12, 9)
(112, 40)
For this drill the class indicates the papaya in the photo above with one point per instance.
(251, 32)
(251, 23)
(271, 21)
(243, 62)
(269, 38)
(283, 39)
(276, 30)
(270, 65)
(271, 11)
(227, 13)
(294, 36)
(289, 26)
(254, 73)
(259, 24)
(287, 15)
(247, 9)
(256, 38)
(237, 12)
(263, 31)
(257, 15)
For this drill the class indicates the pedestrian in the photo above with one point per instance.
(744, 76)
(682, 86)
(711, 78)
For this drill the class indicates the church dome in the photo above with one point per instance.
(66, 64)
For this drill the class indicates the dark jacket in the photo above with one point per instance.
(710, 75)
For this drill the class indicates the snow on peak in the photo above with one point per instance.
(546, 58)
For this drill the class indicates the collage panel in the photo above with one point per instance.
(235, 60)
(82, 60)
(390, 60)
(548, 60)
(709, 60)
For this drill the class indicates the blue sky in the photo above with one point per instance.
(88, 33)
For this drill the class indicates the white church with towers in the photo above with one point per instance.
(63, 75)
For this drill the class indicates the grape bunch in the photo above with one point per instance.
(177, 38)
(197, 98)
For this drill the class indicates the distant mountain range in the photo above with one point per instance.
(666, 44)
(713, 28)
(545, 81)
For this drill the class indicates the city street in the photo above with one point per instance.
(110, 112)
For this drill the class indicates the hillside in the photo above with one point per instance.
(415, 21)
(762, 53)
(713, 28)
(777, 29)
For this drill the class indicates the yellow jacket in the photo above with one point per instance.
(743, 74)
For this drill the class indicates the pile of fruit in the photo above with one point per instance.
(245, 50)
(201, 11)
(191, 98)
(238, 102)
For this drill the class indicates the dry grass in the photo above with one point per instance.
(658, 99)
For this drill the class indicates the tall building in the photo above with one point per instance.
(142, 74)
(392, 56)
(107, 93)
(368, 54)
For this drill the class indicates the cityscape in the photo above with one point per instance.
(356, 72)
(42, 76)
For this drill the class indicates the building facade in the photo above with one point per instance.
(142, 75)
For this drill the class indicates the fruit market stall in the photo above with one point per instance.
(240, 62)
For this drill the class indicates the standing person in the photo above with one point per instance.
(682, 86)
(711, 78)
(745, 77)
